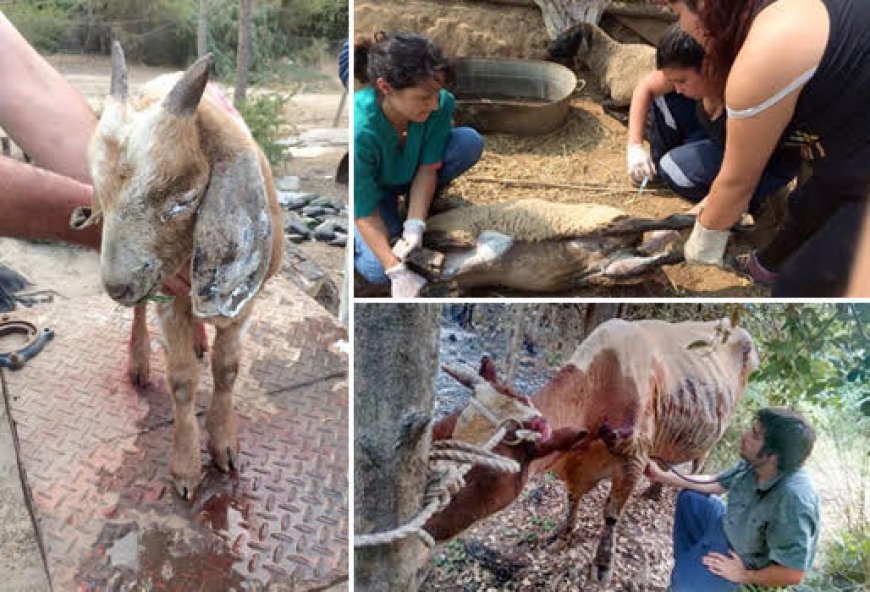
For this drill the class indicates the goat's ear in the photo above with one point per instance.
(84, 216)
(184, 97)
(232, 238)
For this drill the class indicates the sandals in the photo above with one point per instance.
(748, 264)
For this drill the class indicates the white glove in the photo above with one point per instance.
(412, 237)
(406, 283)
(705, 245)
(640, 164)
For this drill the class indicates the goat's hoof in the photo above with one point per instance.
(185, 487)
(199, 349)
(185, 477)
(226, 457)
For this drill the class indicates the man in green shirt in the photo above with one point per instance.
(766, 532)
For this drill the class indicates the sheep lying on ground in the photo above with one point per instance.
(619, 67)
(182, 186)
(539, 246)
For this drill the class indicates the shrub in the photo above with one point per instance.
(264, 114)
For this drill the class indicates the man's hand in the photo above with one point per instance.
(731, 568)
(406, 283)
(654, 473)
(705, 245)
(640, 165)
(412, 237)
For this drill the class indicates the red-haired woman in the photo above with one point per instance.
(792, 72)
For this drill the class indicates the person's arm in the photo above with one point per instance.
(656, 474)
(653, 85)
(36, 204)
(374, 233)
(422, 192)
(48, 118)
(768, 62)
(732, 569)
(859, 283)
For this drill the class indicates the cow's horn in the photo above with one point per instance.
(464, 376)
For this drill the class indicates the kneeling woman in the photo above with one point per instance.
(404, 143)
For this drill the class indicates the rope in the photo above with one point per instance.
(447, 482)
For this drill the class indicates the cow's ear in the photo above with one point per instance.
(487, 370)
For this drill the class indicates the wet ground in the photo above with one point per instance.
(95, 507)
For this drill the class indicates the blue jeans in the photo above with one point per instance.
(688, 159)
(463, 150)
(698, 531)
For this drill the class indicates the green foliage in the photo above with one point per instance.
(290, 39)
(453, 557)
(264, 114)
(281, 49)
(811, 354)
(45, 26)
(848, 559)
(545, 522)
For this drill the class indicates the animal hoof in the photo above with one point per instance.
(139, 379)
(186, 475)
(184, 488)
(225, 457)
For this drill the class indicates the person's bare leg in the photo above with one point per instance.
(35, 203)
(48, 118)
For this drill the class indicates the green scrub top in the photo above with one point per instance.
(380, 163)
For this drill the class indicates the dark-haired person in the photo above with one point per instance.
(404, 143)
(795, 71)
(766, 533)
(686, 125)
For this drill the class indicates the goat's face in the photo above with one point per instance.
(149, 174)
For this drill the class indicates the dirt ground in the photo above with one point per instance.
(588, 149)
(74, 272)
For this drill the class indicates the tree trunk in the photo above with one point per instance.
(396, 361)
(515, 346)
(202, 30)
(244, 53)
(596, 313)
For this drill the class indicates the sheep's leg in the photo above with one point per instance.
(221, 421)
(182, 373)
(489, 248)
(140, 346)
(622, 485)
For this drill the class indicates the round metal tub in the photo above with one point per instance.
(515, 96)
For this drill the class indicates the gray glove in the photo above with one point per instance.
(705, 245)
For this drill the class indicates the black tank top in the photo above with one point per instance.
(834, 106)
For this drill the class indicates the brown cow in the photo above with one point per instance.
(639, 390)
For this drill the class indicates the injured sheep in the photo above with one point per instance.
(619, 67)
(539, 246)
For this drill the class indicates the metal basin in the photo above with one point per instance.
(515, 96)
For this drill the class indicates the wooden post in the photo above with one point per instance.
(396, 359)
(202, 30)
(243, 58)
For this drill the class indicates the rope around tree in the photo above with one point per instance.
(443, 484)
